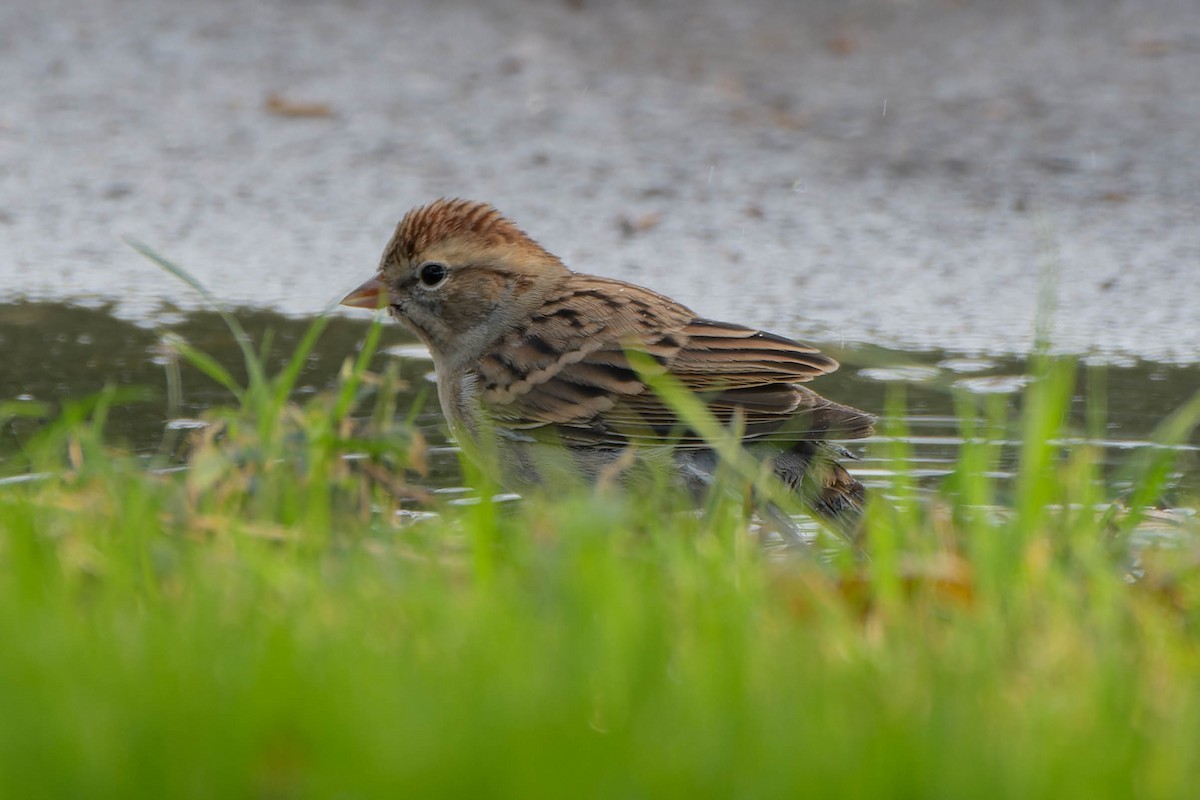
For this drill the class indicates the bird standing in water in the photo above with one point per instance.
(533, 364)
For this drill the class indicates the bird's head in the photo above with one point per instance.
(458, 274)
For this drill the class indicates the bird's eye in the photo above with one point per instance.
(432, 274)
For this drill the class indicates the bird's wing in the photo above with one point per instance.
(568, 373)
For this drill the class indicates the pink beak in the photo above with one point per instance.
(372, 294)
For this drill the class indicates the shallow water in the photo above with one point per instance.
(54, 352)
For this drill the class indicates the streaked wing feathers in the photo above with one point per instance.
(568, 370)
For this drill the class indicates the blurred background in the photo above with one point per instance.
(900, 172)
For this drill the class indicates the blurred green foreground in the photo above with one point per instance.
(263, 624)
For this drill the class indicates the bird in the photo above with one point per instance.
(543, 371)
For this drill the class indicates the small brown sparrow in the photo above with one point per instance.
(533, 363)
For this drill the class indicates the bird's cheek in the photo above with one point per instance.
(417, 315)
(467, 310)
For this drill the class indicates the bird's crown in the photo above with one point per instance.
(446, 220)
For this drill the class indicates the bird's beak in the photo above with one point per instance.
(372, 294)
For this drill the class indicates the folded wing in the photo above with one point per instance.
(568, 374)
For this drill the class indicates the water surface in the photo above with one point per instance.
(54, 352)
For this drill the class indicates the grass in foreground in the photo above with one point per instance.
(260, 625)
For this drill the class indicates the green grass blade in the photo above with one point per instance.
(254, 366)
(207, 365)
(285, 381)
